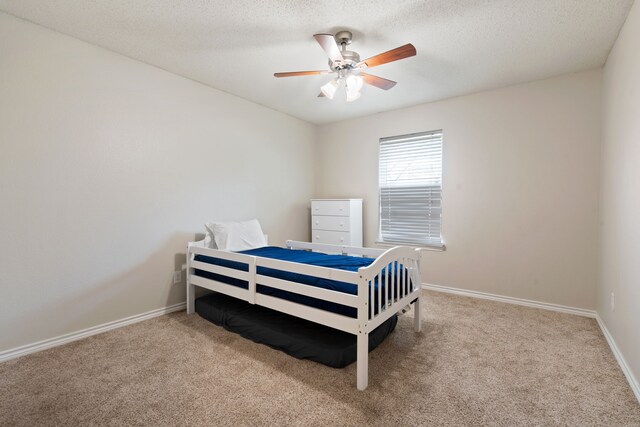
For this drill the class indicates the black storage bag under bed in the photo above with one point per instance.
(295, 336)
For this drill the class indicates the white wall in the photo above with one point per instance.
(109, 166)
(520, 191)
(620, 194)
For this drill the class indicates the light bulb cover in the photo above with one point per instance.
(329, 89)
(354, 83)
(352, 95)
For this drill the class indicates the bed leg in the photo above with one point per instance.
(191, 298)
(363, 360)
(417, 315)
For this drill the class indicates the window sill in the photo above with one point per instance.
(435, 248)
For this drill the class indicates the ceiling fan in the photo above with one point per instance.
(347, 65)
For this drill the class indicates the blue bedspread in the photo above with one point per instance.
(342, 262)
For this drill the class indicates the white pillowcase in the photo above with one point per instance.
(236, 236)
(209, 241)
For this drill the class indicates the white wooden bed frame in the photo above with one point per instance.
(367, 319)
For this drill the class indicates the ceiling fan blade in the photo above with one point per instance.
(301, 73)
(392, 55)
(377, 81)
(328, 43)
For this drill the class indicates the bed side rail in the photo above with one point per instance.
(345, 250)
(252, 278)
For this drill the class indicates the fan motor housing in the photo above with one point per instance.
(351, 59)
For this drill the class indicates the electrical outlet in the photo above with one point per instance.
(177, 277)
(613, 301)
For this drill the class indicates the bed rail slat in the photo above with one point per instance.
(333, 320)
(407, 275)
(218, 269)
(310, 270)
(213, 285)
(379, 280)
(400, 282)
(370, 296)
(405, 282)
(216, 253)
(312, 291)
(395, 295)
(388, 287)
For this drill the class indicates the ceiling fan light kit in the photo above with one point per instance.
(347, 65)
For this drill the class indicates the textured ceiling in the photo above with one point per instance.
(463, 46)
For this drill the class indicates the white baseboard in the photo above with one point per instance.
(635, 386)
(511, 300)
(74, 336)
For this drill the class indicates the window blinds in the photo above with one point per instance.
(410, 182)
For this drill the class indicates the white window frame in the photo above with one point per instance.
(428, 183)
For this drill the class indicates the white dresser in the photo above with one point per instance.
(336, 221)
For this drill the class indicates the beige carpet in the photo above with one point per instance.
(475, 363)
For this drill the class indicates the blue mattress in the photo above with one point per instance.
(341, 262)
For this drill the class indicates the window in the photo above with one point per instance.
(410, 183)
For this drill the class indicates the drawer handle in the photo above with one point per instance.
(342, 239)
(317, 237)
(341, 224)
(317, 222)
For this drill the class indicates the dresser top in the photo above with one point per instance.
(322, 200)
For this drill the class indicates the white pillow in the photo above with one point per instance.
(237, 236)
(209, 241)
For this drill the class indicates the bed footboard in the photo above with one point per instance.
(392, 282)
(389, 284)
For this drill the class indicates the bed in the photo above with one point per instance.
(356, 298)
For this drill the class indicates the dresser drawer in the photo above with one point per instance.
(331, 223)
(330, 207)
(331, 237)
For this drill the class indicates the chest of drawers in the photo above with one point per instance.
(336, 221)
